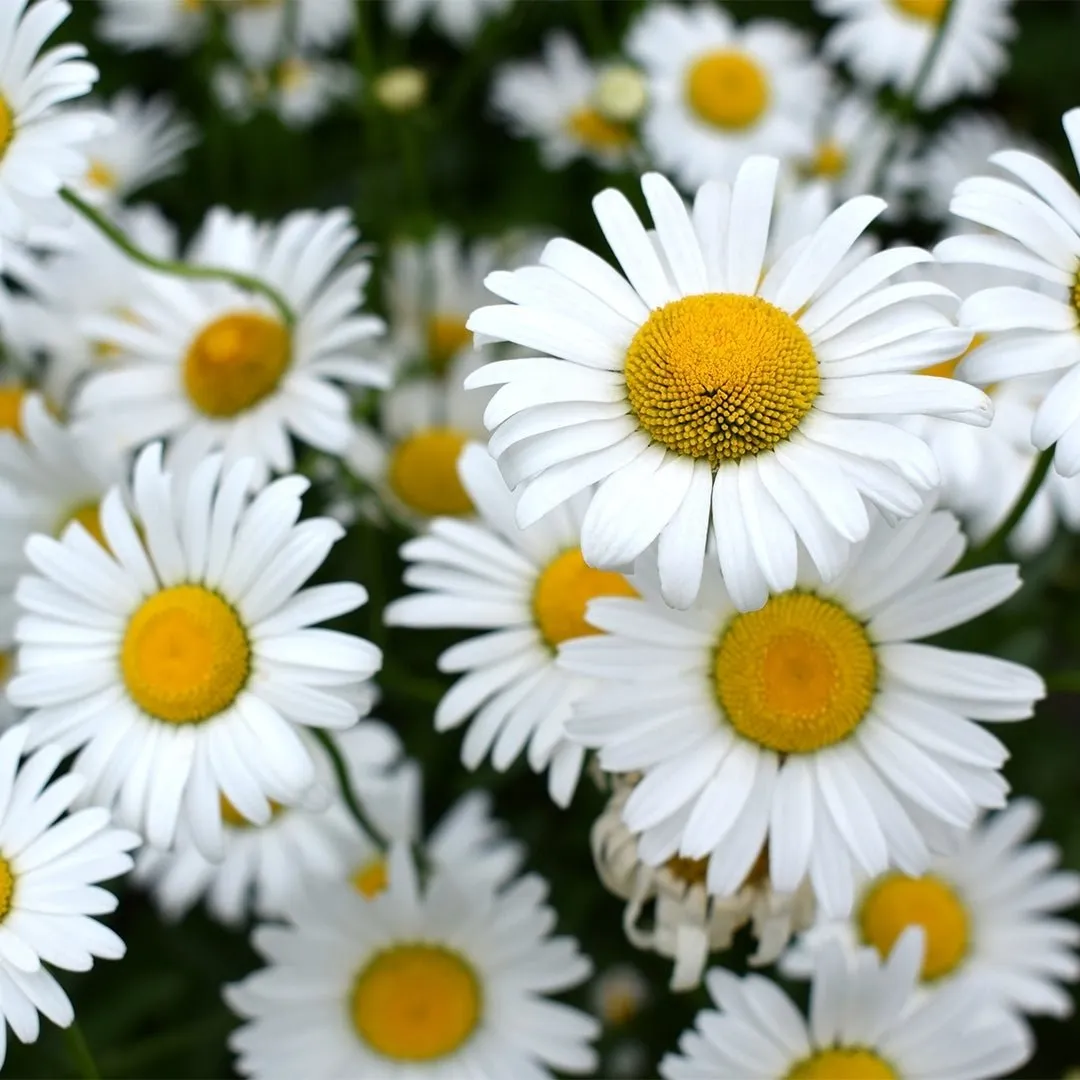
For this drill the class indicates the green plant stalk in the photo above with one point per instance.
(80, 1052)
(177, 269)
(344, 783)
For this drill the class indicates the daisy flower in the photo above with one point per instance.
(211, 365)
(459, 20)
(175, 25)
(146, 143)
(42, 147)
(1031, 228)
(443, 981)
(528, 589)
(718, 92)
(885, 42)
(179, 661)
(669, 910)
(863, 1023)
(705, 396)
(817, 723)
(50, 867)
(555, 101)
(987, 913)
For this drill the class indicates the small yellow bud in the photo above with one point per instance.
(621, 92)
(401, 89)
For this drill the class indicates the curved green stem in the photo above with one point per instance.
(344, 783)
(80, 1052)
(177, 269)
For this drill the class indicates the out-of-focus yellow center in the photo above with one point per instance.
(293, 73)
(897, 901)
(423, 472)
(7, 125)
(796, 676)
(721, 375)
(689, 871)
(929, 11)
(231, 816)
(946, 369)
(7, 666)
(830, 161)
(12, 397)
(88, 515)
(99, 175)
(446, 336)
(7, 888)
(843, 1065)
(563, 591)
(728, 89)
(416, 1002)
(235, 362)
(590, 127)
(371, 878)
(185, 655)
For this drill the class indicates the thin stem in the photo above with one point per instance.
(80, 1052)
(344, 783)
(177, 269)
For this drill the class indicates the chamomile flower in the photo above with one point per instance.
(718, 92)
(210, 365)
(863, 1023)
(50, 867)
(669, 910)
(179, 660)
(175, 25)
(706, 397)
(298, 90)
(42, 147)
(554, 100)
(817, 724)
(528, 589)
(459, 20)
(443, 981)
(987, 911)
(256, 28)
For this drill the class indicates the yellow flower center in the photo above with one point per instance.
(7, 888)
(690, 871)
(727, 89)
(596, 131)
(946, 369)
(897, 901)
(620, 1006)
(231, 816)
(185, 655)
(88, 515)
(7, 125)
(843, 1065)
(99, 175)
(7, 666)
(423, 472)
(929, 11)
(372, 878)
(829, 161)
(796, 676)
(293, 73)
(447, 335)
(720, 376)
(416, 1002)
(564, 589)
(235, 362)
(192, 5)
(11, 398)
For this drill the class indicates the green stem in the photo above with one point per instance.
(344, 783)
(80, 1052)
(177, 269)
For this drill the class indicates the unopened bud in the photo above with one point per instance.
(401, 89)
(621, 93)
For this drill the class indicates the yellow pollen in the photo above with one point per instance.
(829, 161)
(416, 1002)
(689, 871)
(447, 335)
(11, 398)
(564, 589)
(1074, 294)
(372, 878)
(796, 676)
(7, 887)
(293, 73)
(847, 1064)
(185, 655)
(7, 666)
(897, 901)
(720, 376)
(596, 131)
(727, 89)
(88, 515)
(929, 11)
(7, 125)
(99, 175)
(423, 472)
(235, 362)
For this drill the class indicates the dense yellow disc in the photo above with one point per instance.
(423, 472)
(728, 89)
(372, 878)
(591, 127)
(843, 1065)
(7, 887)
(564, 589)
(929, 11)
(447, 335)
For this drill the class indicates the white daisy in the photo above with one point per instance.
(815, 723)
(718, 92)
(211, 365)
(701, 392)
(669, 910)
(257, 30)
(176, 25)
(863, 1024)
(49, 873)
(459, 20)
(884, 43)
(554, 100)
(179, 661)
(445, 981)
(1028, 331)
(528, 588)
(987, 913)
(42, 147)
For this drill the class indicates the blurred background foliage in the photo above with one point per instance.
(159, 1011)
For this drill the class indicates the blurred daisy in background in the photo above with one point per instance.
(448, 979)
(863, 1024)
(459, 20)
(884, 43)
(179, 660)
(175, 25)
(816, 723)
(555, 101)
(527, 588)
(259, 31)
(618, 995)
(718, 92)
